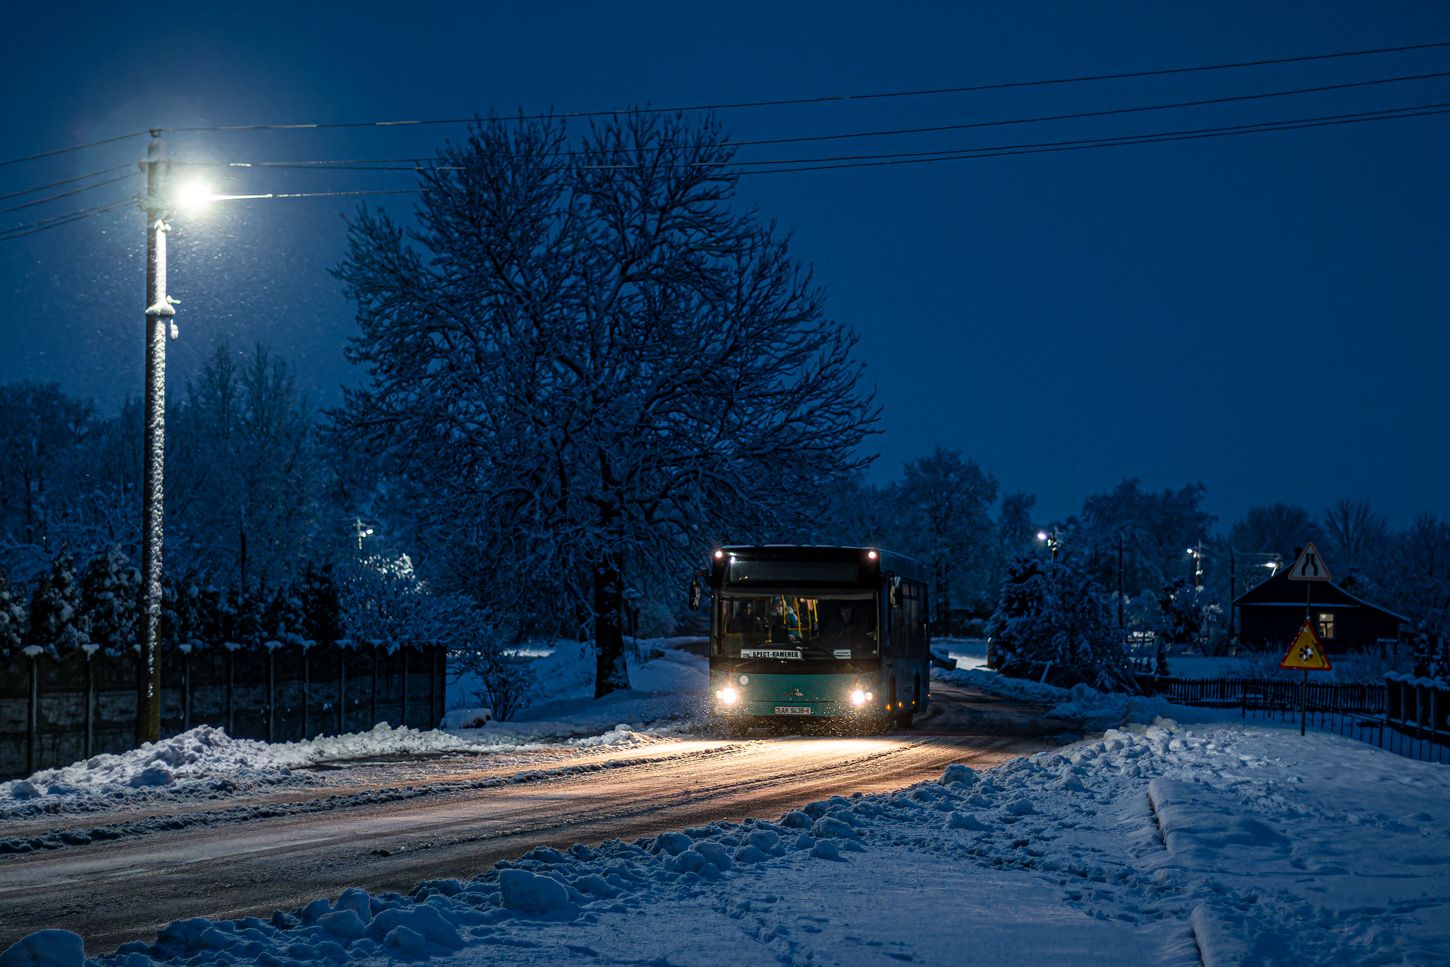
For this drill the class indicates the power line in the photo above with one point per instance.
(819, 100)
(420, 164)
(67, 181)
(989, 151)
(67, 194)
(1104, 143)
(855, 161)
(75, 147)
(65, 220)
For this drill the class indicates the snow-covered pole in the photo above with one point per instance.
(158, 326)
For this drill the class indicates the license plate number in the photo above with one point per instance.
(792, 710)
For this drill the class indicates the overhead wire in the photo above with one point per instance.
(67, 194)
(819, 100)
(59, 220)
(363, 164)
(987, 151)
(76, 147)
(67, 181)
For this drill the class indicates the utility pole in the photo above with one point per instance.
(1120, 580)
(158, 326)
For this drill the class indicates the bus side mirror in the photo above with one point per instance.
(893, 590)
(695, 595)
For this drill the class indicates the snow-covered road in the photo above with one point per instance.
(385, 827)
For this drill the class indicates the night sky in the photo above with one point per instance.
(1264, 313)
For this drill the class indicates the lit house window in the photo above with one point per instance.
(1326, 625)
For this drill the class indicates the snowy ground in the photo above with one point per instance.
(207, 764)
(1227, 843)
(1197, 838)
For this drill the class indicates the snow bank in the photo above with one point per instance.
(206, 763)
(1081, 705)
(1239, 843)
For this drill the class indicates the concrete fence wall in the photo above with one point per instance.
(57, 711)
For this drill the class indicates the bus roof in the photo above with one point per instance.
(899, 564)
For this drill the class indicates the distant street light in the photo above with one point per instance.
(1196, 552)
(1052, 539)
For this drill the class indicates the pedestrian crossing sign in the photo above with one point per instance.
(1305, 653)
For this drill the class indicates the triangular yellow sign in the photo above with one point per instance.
(1305, 652)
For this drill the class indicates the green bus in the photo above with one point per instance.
(801, 633)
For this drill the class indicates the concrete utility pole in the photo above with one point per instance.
(158, 326)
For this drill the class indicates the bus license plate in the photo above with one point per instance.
(792, 710)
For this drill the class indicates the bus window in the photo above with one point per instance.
(793, 626)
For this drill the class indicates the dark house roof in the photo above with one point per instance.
(1280, 591)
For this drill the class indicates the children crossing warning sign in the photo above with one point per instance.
(1305, 653)
(1309, 566)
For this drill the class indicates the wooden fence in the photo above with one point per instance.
(57, 711)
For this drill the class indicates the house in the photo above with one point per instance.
(1269, 615)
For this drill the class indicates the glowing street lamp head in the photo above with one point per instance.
(1042, 535)
(194, 195)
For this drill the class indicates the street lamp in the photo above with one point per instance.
(1052, 539)
(158, 205)
(1196, 552)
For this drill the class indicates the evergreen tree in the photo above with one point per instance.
(1050, 625)
(321, 605)
(56, 621)
(110, 588)
(1182, 619)
(12, 618)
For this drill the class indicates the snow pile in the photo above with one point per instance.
(1242, 843)
(1081, 705)
(206, 763)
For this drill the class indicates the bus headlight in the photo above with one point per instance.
(858, 697)
(728, 695)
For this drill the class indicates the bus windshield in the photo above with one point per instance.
(841, 626)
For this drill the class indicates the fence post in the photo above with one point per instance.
(341, 689)
(404, 650)
(271, 693)
(306, 695)
(433, 714)
(375, 686)
(90, 702)
(185, 687)
(231, 682)
(32, 696)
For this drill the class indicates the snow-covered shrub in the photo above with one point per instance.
(12, 618)
(110, 588)
(1050, 625)
(56, 622)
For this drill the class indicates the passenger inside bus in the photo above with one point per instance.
(813, 628)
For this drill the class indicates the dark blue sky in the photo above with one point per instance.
(1264, 313)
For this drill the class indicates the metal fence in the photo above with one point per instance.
(57, 711)
(1407, 717)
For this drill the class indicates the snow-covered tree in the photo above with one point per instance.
(321, 605)
(109, 596)
(1154, 531)
(242, 475)
(1275, 529)
(943, 501)
(12, 617)
(1050, 625)
(56, 621)
(596, 365)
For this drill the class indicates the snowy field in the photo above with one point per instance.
(1171, 836)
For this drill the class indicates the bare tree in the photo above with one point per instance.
(595, 363)
(1354, 531)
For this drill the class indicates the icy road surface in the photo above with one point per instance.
(386, 826)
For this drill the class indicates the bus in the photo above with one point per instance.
(805, 633)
